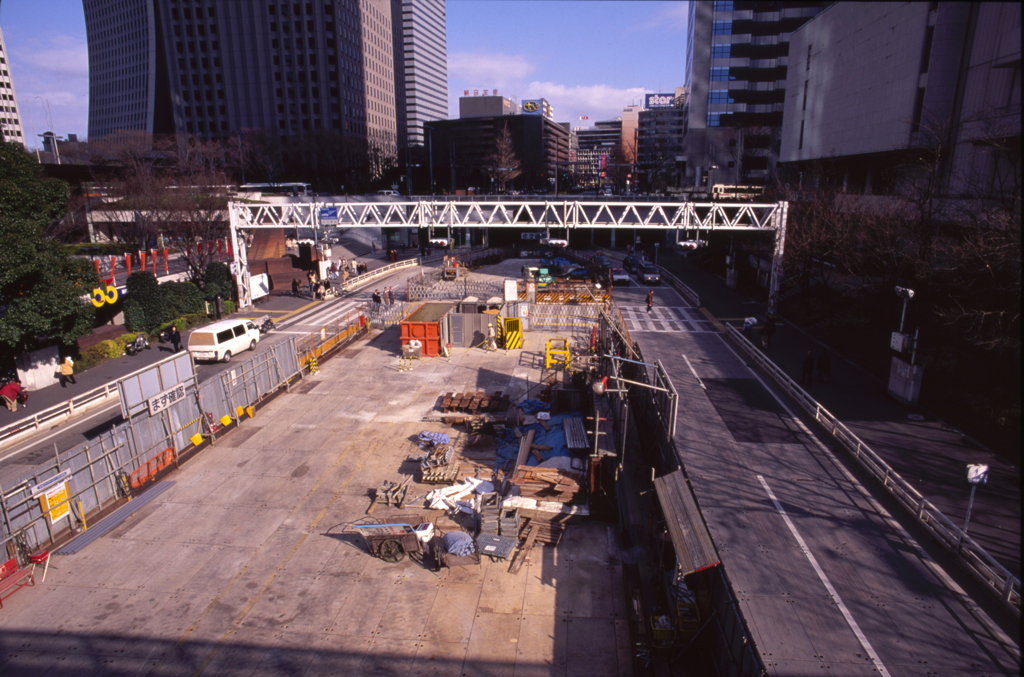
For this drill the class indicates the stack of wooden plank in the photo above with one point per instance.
(472, 403)
(445, 474)
(547, 532)
(545, 484)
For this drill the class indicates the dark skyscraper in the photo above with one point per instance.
(215, 67)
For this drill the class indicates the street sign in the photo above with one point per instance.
(511, 291)
(328, 216)
(977, 473)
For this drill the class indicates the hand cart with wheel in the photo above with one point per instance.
(390, 542)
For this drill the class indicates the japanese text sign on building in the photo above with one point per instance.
(158, 403)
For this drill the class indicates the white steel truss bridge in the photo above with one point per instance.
(525, 213)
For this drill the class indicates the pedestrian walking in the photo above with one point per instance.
(373, 246)
(311, 276)
(807, 375)
(824, 367)
(67, 372)
(295, 286)
(376, 300)
(650, 301)
(355, 267)
(767, 331)
(334, 269)
(492, 343)
(391, 296)
(748, 326)
(175, 338)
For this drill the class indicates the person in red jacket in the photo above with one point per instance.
(12, 393)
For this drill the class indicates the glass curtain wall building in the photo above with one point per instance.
(736, 60)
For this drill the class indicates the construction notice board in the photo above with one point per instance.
(55, 502)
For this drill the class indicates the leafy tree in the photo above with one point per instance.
(41, 287)
(181, 298)
(218, 279)
(144, 305)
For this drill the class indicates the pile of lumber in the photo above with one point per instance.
(546, 484)
(472, 403)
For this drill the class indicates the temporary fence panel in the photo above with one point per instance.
(135, 449)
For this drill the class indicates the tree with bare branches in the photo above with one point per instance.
(503, 165)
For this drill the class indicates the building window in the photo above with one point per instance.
(801, 135)
(721, 28)
(806, 87)
(721, 74)
(720, 51)
(808, 57)
(718, 119)
(720, 96)
(915, 123)
(723, 5)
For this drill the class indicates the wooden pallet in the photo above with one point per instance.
(441, 475)
(474, 402)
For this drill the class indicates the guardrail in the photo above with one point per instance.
(978, 562)
(383, 271)
(47, 418)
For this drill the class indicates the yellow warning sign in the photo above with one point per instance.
(55, 502)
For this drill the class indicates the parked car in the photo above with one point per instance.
(388, 193)
(632, 263)
(649, 275)
(602, 262)
(619, 276)
(581, 274)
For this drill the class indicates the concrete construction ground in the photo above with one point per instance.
(244, 566)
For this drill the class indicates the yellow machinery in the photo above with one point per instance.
(556, 352)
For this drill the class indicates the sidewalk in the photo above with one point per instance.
(927, 452)
(110, 371)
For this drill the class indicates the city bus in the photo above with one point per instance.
(722, 192)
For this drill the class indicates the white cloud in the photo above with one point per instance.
(489, 70)
(64, 59)
(597, 102)
(56, 70)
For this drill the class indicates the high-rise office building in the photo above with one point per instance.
(421, 66)
(10, 119)
(215, 67)
(737, 54)
(868, 105)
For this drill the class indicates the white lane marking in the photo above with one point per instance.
(694, 372)
(827, 583)
(936, 568)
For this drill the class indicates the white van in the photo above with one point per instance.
(388, 193)
(220, 340)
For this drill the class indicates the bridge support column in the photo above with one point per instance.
(612, 245)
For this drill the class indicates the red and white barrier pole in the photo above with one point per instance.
(128, 263)
(142, 260)
(165, 260)
(152, 255)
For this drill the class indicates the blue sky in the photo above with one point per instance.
(586, 58)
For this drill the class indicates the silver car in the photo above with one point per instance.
(619, 276)
(649, 275)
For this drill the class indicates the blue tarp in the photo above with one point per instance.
(508, 446)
